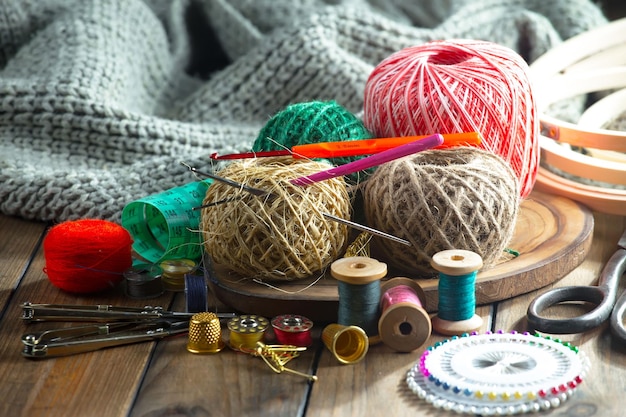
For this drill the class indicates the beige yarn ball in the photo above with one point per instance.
(282, 238)
(460, 198)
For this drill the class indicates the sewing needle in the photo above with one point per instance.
(259, 192)
(364, 228)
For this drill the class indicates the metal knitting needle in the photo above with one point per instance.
(259, 192)
(364, 228)
(215, 203)
(235, 184)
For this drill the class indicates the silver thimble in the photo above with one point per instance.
(205, 334)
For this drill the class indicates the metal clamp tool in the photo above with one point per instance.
(102, 313)
(114, 326)
(73, 340)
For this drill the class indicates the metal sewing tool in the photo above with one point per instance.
(111, 326)
(251, 190)
(79, 339)
(276, 356)
(263, 193)
(102, 313)
(603, 295)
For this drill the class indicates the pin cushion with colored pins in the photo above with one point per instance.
(498, 373)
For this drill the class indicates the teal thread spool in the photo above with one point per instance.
(312, 122)
(457, 298)
(358, 279)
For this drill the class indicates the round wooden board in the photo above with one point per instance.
(553, 235)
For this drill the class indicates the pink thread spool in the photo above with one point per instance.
(459, 86)
(404, 324)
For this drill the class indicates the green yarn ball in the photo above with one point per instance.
(312, 122)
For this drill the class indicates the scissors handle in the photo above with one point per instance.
(617, 318)
(595, 295)
(603, 296)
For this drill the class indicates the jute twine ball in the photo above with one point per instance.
(282, 238)
(459, 86)
(461, 198)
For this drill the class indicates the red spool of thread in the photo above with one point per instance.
(293, 329)
(459, 86)
(87, 256)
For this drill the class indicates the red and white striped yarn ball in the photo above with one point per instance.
(459, 86)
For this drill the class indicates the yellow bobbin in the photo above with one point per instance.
(205, 334)
(245, 331)
(349, 344)
(404, 326)
(174, 271)
(456, 262)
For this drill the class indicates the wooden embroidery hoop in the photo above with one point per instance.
(592, 61)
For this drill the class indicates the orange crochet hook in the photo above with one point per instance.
(355, 147)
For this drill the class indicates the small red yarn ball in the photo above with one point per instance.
(87, 256)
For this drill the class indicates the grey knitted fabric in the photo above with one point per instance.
(101, 99)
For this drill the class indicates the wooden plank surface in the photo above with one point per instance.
(374, 387)
(163, 379)
(18, 240)
(100, 383)
(227, 383)
(602, 393)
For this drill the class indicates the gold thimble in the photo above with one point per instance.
(205, 334)
(349, 344)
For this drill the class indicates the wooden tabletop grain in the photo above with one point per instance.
(153, 379)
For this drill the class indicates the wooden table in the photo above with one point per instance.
(162, 379)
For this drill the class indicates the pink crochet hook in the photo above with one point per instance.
(428, 142)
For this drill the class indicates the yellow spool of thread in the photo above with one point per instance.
(174, 270)
(246, 331)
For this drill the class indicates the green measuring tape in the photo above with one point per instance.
(165, 225)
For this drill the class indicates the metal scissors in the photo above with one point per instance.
(603, 296)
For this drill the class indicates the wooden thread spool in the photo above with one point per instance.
(457, 299)
(359, 292)
(404, 325)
